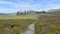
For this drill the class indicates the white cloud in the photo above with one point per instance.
(18, 6)
(22, 5)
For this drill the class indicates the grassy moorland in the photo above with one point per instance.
(18, 17)
(14, 26)
(47, 24)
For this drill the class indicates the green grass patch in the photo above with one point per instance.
(18, 17)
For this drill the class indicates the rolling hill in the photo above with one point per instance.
(54, 12)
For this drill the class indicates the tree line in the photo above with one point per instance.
(30, 12)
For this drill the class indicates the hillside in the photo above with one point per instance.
(54, 12)
(47, 24)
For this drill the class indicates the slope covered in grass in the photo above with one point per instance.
(47, 25)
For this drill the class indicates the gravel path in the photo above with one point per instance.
(30, 30)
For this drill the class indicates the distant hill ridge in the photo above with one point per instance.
(54, 12)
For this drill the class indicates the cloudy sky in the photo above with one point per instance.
(10, 6)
